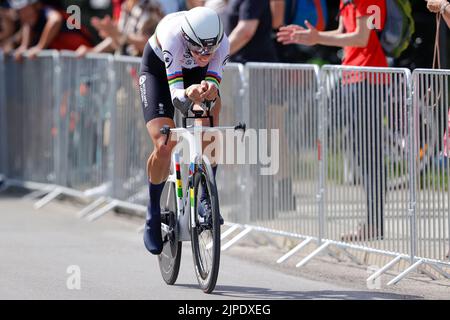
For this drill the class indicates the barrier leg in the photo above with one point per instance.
(313, 254)
(405, 273)
(99, 213)
(85, 211)
(300, 246)
(48, 198)
(233, 241)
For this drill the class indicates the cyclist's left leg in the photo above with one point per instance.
(212, 146)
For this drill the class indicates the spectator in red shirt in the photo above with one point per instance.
(360, 42)
(357, 34)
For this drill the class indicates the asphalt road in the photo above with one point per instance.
(38, 247)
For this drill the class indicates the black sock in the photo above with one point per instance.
(154, 192)
(152, 234)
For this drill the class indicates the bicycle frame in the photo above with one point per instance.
(193, 136)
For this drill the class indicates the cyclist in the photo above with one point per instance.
(182, 64)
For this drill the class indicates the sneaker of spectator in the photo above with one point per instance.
(137, 22)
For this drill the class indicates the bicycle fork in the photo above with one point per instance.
(184, 203)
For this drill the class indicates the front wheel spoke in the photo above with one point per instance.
(205, 252)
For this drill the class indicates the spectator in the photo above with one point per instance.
(8, 26)
(219, 6)
(287, 12)
(171, 6)
(93, 8)
(194, 3)
(137, 22)
(440, 6)
(116, 6)
(249, 26)
(43, 28)
(361, 48)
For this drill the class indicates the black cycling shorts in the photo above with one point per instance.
(154, 87)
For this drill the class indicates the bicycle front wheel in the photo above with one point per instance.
(205, 237)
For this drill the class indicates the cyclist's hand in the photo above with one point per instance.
(211, 92)
(194, 93)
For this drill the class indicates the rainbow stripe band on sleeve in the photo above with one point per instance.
(213, 77)
(175, 78)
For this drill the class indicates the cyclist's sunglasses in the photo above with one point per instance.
(202, 51)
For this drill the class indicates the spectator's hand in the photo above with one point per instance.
(7, 47)
(82, 51)
(435, 5)
(210, 91)
(287, 33)
(106, 26)
(296, 34)
(33, 52)
(18, 54)
(194, 93)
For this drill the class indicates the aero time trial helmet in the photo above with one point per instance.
(202, 29)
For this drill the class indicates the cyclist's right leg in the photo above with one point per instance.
(158, 112)
(158, 166)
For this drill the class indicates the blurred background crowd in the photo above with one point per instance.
(124, 26)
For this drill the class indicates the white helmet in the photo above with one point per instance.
(202, 29)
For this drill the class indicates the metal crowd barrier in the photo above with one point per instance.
(30, 118)
(3, 122)
(282, 98)
(431, 106)
(85, 93)
(363, 158)
(366, 152)
(131, 150)
(234, 203)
